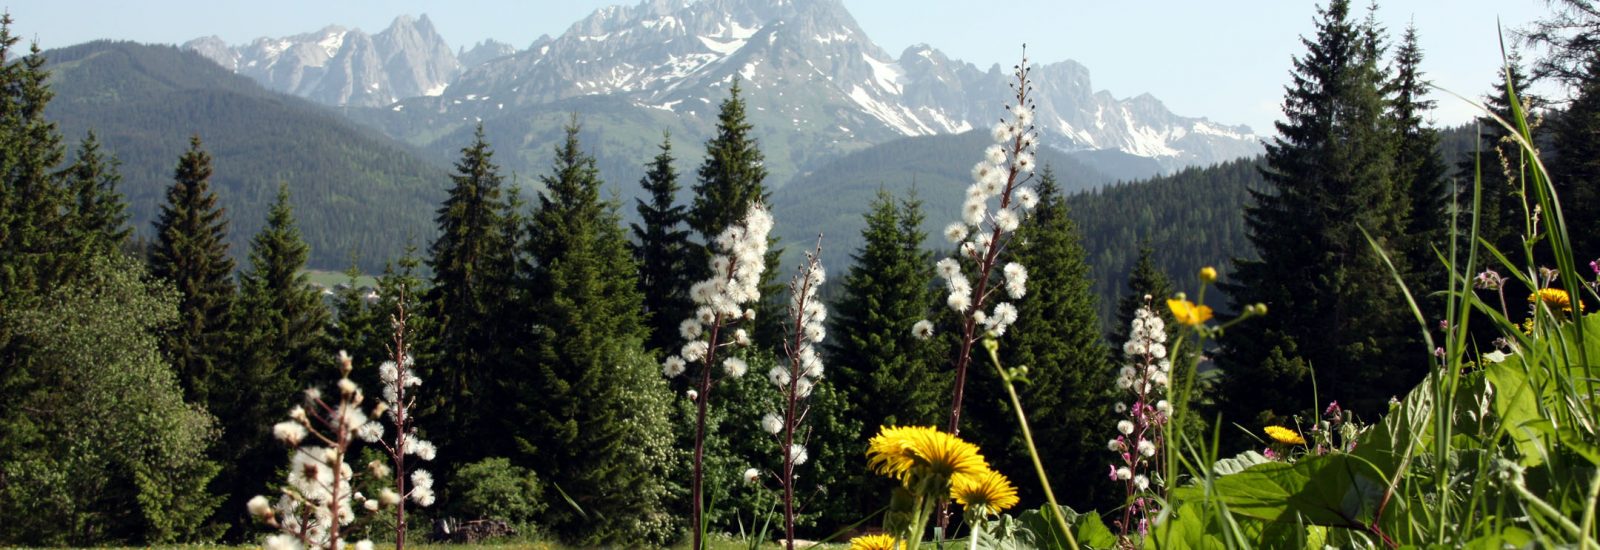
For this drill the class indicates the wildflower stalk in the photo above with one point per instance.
(398, 374)
(735, 280)
(806, 315)
(1016, 135)
(993, 347)
(1006, 166)
(316, 500)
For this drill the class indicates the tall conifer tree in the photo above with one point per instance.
(280, 330)
(731, 177)
(887, 375)
(99, 213)
(1057, 336)
(1502, 165)
(1419, 171)
(1333, 312)
(469, 259)
(590, 410)
(191, 252)
(1576, 168)
(661, 249)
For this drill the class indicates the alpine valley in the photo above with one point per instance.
(824, 99)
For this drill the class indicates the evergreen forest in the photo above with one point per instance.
(1373, 335)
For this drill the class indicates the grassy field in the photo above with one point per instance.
(330, 278)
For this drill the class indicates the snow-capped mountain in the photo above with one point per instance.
(340, 66)
(806, 67)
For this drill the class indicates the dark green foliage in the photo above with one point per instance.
(191, 253)
(471, 264)
(99, 445)
(587, 408)
(1503, 167)
(280, 341)
(358, 191)
(493, 488)
(1057, 336)
(731, 179)
(661, 247)
(35, 244)
(100, 214)
(887, 375)
(1420, 173)
(1576, 167)
(1147, 285)
(1333, 312)
(1191, 219)
(883, 374)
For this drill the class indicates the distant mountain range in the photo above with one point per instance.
(818, 87)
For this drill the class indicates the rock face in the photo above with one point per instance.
(806, 67)
(339, 66)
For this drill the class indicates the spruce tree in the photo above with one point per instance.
(279, 339)
(731, 177)
(35, 249)
(1057, 336)
(1576, 167)
(99, 213)
(1501, 167)
(191, 252)
(469, 260)
(590, 410)
(1333, 313)
(886, 373)
(660, 248)
(1147, 285)
(1420, 173)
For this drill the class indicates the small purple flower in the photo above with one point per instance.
(1595, 265)
(1269, 453)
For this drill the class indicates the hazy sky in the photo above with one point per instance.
(1225, 60)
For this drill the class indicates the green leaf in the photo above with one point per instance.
(1230, 466)
(1335, 490)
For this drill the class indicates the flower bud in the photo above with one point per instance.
(1208, 274)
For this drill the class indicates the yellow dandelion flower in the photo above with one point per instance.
(901, 452)
(1285, 436)
(1555, 298)
(873, 542)
(1188, 313)
(887, 453)
(986, 492)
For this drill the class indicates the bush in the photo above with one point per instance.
(493, 488)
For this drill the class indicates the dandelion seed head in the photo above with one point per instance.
(751, 475)
(1006, 219)
(289, 432)
(994, 155)
(922, 330)
(1026, 197)
(772, 423)
(955, 232)
(1124, 426)
(735, 367)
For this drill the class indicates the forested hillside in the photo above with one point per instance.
(356, 193)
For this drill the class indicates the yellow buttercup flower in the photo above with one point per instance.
(1188, 313)
(1285, 436)
(901, 452)
(872, 542)
(986, 492)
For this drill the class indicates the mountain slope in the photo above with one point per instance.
(354, 192)
(339, 66)
(832, 199)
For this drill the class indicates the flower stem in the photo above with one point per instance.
(1027, 436)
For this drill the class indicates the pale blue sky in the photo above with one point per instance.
(1225, 60)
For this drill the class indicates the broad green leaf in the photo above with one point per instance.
(1335, 490)
(1230, 466)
